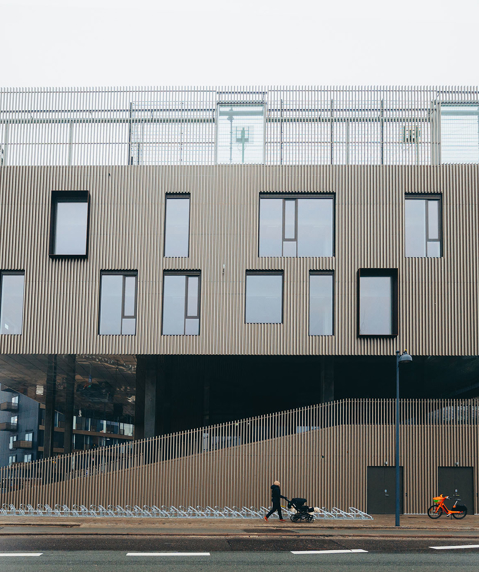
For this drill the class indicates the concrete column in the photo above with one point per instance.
(152, 409)
(70, 367)
(140, 398)
(50, 394)
(327, 379)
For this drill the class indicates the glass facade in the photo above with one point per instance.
(11, 302)
(240, 134)
(264, 298)
(118, 304)
(459, 133)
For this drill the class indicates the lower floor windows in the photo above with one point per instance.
(181, 304)
(118, 303)
(27, 458)
(12, 459)
(264, 297)
(321, 294)
(378, 302)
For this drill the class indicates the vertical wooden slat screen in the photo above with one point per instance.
(320, 453)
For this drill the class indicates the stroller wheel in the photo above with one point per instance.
(294, 517)
(310, 518)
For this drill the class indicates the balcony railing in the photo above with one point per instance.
(8, 426)
(23, 444)
(8, 406)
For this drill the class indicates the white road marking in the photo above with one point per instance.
(168, 554)
(454, 547)
(327, 551)
(21, 553)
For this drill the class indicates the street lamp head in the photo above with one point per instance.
(404, 357)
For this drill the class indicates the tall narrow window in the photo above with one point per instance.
(181, 304)
(459, 133)
(177, 226)
(423, 226)
(292, 226)
(264, 297)
(13, 442)
(321, 292)
(240, 134)
(69, 224)
(118, 303)
(11, 302)
(378, 302)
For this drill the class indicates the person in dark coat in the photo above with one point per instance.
(275, 497)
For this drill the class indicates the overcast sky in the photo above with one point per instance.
(238, 42)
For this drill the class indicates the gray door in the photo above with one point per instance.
(457, 482)
(382, 490)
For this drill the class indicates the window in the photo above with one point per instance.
(11, 302)
(177, 226)
(12, 442)
(69, 223)
(423, 226)
(240, 134)
(14, 419)
(321, 288)
(291, 226)
(118, 303)
(459, 133)
(27, 458)
(264, 297)
(29, 436)
(15, 400)
(378, 302)
(12, 459)
(181, 304)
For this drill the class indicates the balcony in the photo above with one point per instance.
(5, 388)
(23, 444)
(8, 406)
(8, 426)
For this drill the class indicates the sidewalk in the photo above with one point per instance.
(382, 525)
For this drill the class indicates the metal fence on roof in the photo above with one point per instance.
(204, 126)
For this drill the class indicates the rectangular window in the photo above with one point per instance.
(177, 226)
(181, 304)
(301, 226)
(69, 224)
(12, 442)
(423, 226)
(240, 134)
(264, 297)
(321, 296)
(12, 459)
(29, 436)
(118, 303)
(11, 302)
(14, 419)
(27, 458)
(459, 133)
(15, 399)
(378, 302)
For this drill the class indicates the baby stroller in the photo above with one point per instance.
(301, 513)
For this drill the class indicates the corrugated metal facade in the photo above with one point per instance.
(438, 297)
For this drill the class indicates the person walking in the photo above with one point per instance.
(275, 497)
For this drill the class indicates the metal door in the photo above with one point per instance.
(457, 482)
(382, 490)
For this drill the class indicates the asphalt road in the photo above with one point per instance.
(118, 554)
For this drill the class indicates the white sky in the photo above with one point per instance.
(240, 42)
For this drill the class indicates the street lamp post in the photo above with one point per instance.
(400, 358)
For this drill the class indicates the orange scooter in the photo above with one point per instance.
(438, 508)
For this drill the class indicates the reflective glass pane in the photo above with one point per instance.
(289, 218)
(128, 326)
(264, 299)
(415, 212)
(192, 307)
(375, 305)
(192, 327)
(433, 220)
(71, 228)
(174, 293)
(177, 227)
(110, 304)
(270, 227)
(459, 134)
(321, 305)
(130, 296)
(434, 249)
(289, 248)
(11, 303)
(240, 134)
(315, 227)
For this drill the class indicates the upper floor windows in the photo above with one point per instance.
(321, 292)
(290, 226)
(69, 223)
(378, 302)
(264, 297)
(423, 226)
(240, 134)
(11, 302)
(118, 303)
(459, 133)
(177, 225)
(181, 304)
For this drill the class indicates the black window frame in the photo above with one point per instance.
(264, 273)
(380, 272)
(294, 196)
(186, 274)
(426, 197)
(124, 274)
(65, 197)
(13, 273)
(320, 273)
(177, 196)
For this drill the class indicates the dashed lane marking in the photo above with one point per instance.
(454, 547)
(327, 551)
(21, 554)
(168, 554)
